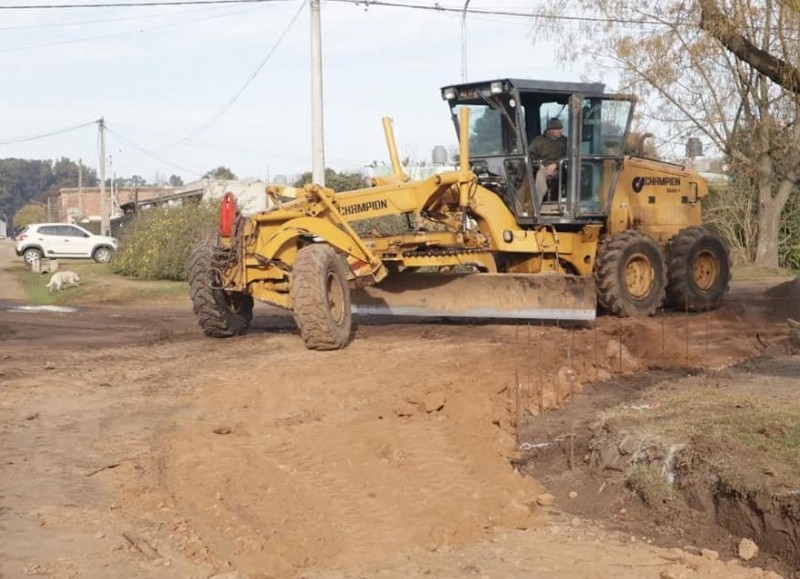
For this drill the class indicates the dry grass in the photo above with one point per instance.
(752, 441)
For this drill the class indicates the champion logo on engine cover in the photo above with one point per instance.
(640, 183)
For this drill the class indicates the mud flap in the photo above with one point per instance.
(480, 295)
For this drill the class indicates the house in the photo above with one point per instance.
(74, 205)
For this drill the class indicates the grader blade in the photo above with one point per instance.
(480, 295)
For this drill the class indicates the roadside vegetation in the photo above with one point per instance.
(156, 245)
(98, 285)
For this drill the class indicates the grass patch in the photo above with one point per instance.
(99, 285)
(753, 441)
(650, 486)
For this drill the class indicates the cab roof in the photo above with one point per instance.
(544, 86)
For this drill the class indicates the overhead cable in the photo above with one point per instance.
(130, 4)
(150, 154)
(127, 32)
(44, 135)
(436, 7)
(246, 84)
(63, 24)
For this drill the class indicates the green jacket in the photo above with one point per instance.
(548, 149)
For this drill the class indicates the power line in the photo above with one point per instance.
(130, 4)
(103, 21)
(456, 10)
(150, 154)
(126, 33)
(366, 3)
(203, 126)
(45, 135)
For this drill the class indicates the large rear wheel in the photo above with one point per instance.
(630, 274)
(321, 298)
(698, 269)
(220, 314)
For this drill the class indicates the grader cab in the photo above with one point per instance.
(612, 228)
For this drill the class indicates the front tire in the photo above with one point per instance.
(321, 298)
(630, 275)
(698, 269)
(31, 254)
(221, 314)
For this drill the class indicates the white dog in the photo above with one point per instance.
(62, 279)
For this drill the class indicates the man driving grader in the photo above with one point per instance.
(621, 231)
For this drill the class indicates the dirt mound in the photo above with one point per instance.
(785, 299)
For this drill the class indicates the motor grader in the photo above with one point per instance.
(614, 228)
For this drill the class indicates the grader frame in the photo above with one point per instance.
(600, 238)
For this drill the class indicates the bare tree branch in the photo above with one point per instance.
(713, 21)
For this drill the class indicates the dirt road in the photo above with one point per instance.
(132, 446)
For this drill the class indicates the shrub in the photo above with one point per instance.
(158, 242)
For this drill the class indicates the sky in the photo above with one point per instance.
(172, 82)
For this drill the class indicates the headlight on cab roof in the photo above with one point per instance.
(449, 93)
(496, 87)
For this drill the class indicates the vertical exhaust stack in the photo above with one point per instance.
(464, 178)
(388, 131)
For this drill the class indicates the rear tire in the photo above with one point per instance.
(220, 314)
(630, 275)
(103, 254)
(321, 298)
(698, 269)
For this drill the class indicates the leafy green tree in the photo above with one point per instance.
(222, 173)
(23, 181)
(487, 135)
(175, 181)
(30, 213)
(338, 181)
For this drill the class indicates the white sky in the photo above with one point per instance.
(157, 74)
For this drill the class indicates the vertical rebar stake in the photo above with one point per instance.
(596, 362)
(529, 380)
(539, 377)
(572, 447)
(687, 334)
(516, 380)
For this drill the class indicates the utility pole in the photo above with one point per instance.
(464, 43)
(317, 125)
(104, 221)
(80, 189)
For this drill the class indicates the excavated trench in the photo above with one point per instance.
(650, 488)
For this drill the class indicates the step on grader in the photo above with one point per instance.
(612, 228)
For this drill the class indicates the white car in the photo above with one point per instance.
(63, 240)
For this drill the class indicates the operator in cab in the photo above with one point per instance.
(546, 150)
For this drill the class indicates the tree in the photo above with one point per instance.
(22, 181)
(338, 181)
(30, 213)
(222, 173)
(175, 181)
(709, 67)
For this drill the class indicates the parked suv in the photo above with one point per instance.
(63, 240)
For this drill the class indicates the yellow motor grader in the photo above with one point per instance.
(613, 228)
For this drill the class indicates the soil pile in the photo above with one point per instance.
(785, 299)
